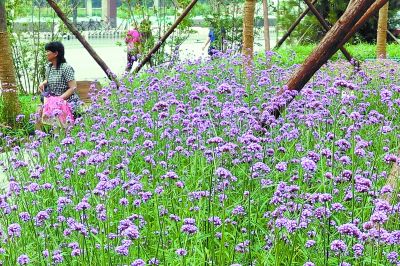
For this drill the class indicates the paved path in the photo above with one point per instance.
(115, 56)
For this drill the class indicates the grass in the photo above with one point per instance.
(174, 162)
(363, 51)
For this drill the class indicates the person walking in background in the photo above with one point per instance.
(216, 40)
(133, 42)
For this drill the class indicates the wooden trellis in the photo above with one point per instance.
(93, 53)
(324, 24)
(356, 14)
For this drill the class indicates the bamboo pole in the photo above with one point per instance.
(165, 37)
(82, 40)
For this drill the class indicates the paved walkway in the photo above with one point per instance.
(115, 56)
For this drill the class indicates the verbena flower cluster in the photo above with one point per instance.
(174, 166)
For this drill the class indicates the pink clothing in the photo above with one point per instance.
(132, 38)
(56, 111)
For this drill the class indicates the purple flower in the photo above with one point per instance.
(191, 221)
(281, 167)
(224, 88)
(358, 250)
(308, 165)
(170, 175)
(242, 247)
(310, 243)
(24, 216)
(57, 257)
(83, 205)
(239, 211)
(131, 232)
(181, 252)
(308, 263)
(41, 217)
(153, 261)
(349, 230)
(189, 229)
(392, 257)
(138, 262)
(215, 220)
(23, 260)
(123, 201)
(122, 250)
(14, 230)
(338, 246)
(45, 253)
(75, 252)
(379, 217)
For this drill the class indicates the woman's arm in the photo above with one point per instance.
(70, 90)
(42, 85)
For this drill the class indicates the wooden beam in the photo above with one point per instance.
(326, 27)
(293, 26)
(354, 16)
(393, 37)
(370, 12)
(83, 41)
(165, 37)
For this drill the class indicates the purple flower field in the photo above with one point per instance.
(173, 168)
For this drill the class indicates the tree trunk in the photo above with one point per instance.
(7, 73)
(266, 26)
(248, 30)
(382, 29)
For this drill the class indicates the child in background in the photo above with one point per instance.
(132, 40)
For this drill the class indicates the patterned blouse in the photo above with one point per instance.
(57, 83)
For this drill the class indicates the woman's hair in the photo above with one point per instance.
(57, 47)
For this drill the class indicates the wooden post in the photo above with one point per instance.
(356, 14)
(293, 26)
(165, 37)
(78, 35)
(327, 28)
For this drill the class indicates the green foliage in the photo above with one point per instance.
(29, 105)
(310, 30)
(290, 55)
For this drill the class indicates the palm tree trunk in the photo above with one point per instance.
(266, 26)
(7, 74)
(248, 30)
(382, 29)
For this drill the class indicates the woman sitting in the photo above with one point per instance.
(60, 79)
